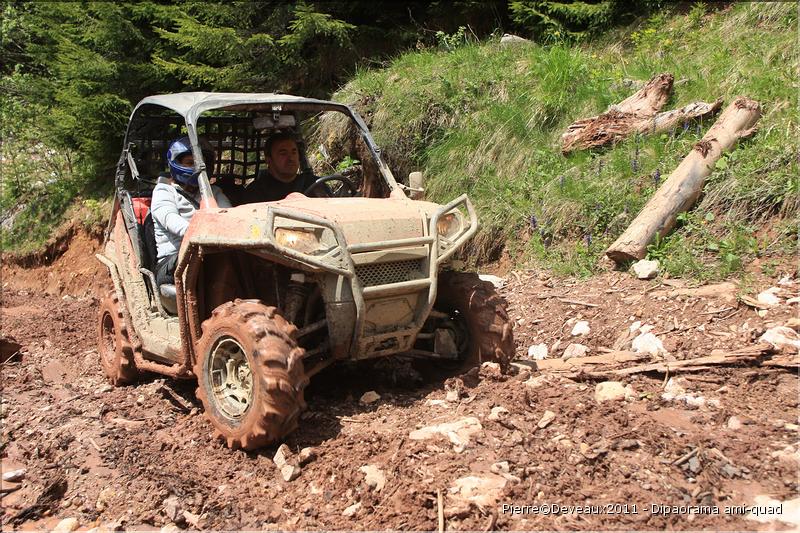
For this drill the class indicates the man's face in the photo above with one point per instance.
(284, 160)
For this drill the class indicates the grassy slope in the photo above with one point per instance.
(486, 119)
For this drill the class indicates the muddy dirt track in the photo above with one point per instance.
(142, 457)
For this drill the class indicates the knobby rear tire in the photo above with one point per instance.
(114, 344)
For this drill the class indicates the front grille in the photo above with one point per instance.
(383, 273)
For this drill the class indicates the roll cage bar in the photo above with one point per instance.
(190, 106)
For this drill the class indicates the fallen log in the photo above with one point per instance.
(683, 187)
(650, 98)
(613, 126)
(617, 122)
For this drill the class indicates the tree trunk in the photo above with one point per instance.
(683, 187)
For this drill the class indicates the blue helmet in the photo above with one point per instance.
(181, 147)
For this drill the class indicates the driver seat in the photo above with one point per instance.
(166, 292)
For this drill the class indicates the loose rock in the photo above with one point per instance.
(103, 499)
(194, 520)
(172, 508)
(66, 526)
(612, 391)
(459, 432)
(481, 490)
(676, 386)
(282, 456)
(547, 417)
(369, 397)
(676, 390)
(15, 475)
(497, 281)
(501, 467)
(574, 350)
(306, 455)
(768, 297)
(374, 477)
(290, 472)
(490, 367)
(498, 413)
(646, 269)
(541, 380)
(537, 352)
(581, 328)
(782, 337)
(649, 343)
(352, 510)
(509, 39)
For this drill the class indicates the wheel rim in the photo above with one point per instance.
(108, 338)
(230, 378)
(458, 325)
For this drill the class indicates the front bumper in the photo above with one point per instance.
(371, 297)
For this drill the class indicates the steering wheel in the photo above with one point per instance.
(346, 182)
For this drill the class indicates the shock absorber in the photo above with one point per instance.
(296, 296)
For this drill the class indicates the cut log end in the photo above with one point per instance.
(624, 256)
(743, 102)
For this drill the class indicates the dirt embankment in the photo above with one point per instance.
(66, 265)
(142, 456)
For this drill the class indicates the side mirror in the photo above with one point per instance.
(416, 186)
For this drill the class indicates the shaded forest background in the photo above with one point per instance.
(76, 68)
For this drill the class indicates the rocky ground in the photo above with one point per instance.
(554, 448)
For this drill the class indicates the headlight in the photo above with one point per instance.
(448, 225)
(304, 241)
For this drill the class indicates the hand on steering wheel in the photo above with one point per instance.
(352, 190)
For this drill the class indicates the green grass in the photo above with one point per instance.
(41, 186)
(486, 120)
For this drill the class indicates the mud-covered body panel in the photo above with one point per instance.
(378, 263)
(360, 219)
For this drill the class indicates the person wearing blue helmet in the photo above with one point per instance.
(175, 199)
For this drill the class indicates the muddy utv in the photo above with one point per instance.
(268, 294)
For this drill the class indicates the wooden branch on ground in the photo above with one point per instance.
(791, 362)
(607, 359)
(750, 354)
(683, 187)
(616, 123)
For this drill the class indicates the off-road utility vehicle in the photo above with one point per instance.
(268, 294)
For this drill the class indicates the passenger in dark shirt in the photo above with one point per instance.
(281, 177)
